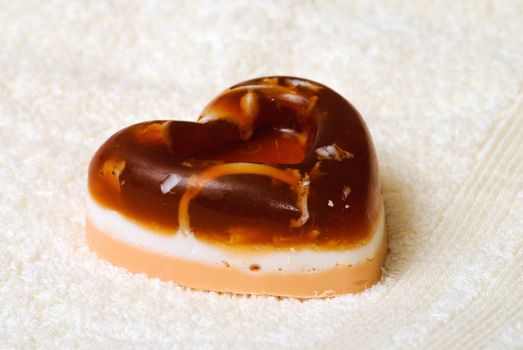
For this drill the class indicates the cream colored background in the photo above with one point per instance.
(439, 83)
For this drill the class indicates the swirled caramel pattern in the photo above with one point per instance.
(275, 162)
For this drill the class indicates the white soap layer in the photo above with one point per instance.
(188, 247)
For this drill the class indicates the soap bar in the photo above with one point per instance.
(274, 190)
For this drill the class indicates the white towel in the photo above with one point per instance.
(440, 84)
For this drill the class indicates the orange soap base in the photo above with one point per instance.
(328, 283)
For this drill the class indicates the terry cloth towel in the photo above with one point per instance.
(440, 84)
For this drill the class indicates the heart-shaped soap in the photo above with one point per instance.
(275, 190)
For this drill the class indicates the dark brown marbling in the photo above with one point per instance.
(272, 162)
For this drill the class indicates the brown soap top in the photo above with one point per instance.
(272, 162)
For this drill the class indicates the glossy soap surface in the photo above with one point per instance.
(274, 162)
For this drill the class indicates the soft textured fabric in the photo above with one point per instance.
(440, 84)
